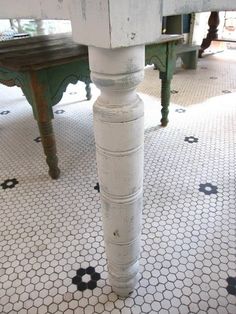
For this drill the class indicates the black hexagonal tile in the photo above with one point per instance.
(5, 112)
(76, 280)
(38, 139)
(97, 187)
(9, 184)
(208, 188)
(80, 272)
(92, 284)
(226, 91)
(82, 286)
(191, 139)
(90, 270)
(231, 288)
(96, 276)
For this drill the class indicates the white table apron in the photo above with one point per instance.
(116, 32)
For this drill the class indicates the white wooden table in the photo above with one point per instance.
(116, 32)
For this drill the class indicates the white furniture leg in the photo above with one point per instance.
(119, 129)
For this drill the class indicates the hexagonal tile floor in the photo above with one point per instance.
(52, 256)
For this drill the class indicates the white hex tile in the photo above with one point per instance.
(50, 229)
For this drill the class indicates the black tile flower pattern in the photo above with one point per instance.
(191, 139)
(180, 110)
(60, 111)
(97, 187)
(5, 112)
(231, 288)
(226, 91)
(9, 184)
(173, 91)
(38, 139)
(208, 188)
(86, 278)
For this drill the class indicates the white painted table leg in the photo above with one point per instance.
(119, 129)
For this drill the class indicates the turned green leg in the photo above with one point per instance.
(49, 146)
(88, 91)
(165, 100)
(42, 109)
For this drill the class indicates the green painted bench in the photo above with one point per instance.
(43, 67)
(188, 55)
(163, 55)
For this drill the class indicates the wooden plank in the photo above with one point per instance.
(35, 42)
(45, 51)
(34, 39)
(186, 48)
(38, 50)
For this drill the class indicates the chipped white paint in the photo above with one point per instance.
(110, 23)
(120, 23)
(118, 124)
(90, 22)
(135, 22)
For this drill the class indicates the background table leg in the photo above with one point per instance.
(165, 98)
(49, 146)
(88, 90)
(42, 109)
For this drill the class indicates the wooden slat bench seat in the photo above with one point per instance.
(43, 67)
(188, 55)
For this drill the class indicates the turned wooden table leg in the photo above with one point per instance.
(119, 136)
(166, 77)
(165, 98)
(49, 146)
(42, 108)
(212, 34)
(88, 90)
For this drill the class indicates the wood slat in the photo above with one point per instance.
(22, 45)
(40, 52)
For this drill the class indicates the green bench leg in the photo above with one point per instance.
(42, 108)
(88, 90)
(166, 66)
(165, 99)
(49, 147)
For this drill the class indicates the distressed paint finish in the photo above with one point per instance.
(120, 22)
(111, 23)
(130, 22)
(119, 131)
